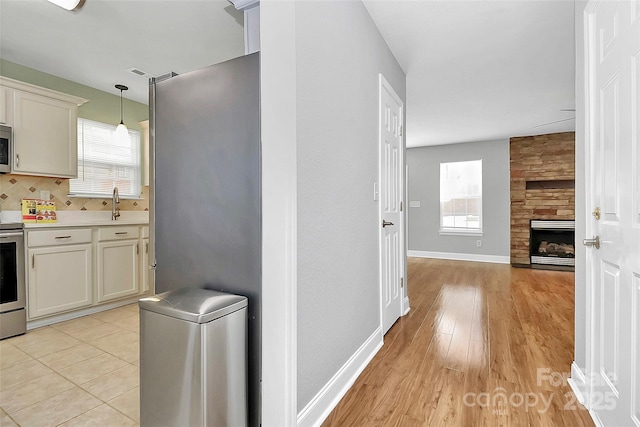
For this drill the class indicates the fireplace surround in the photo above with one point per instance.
(542, 174)
(552, 243)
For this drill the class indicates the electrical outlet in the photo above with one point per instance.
(478, 243)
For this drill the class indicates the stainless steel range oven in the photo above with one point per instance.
(13, 318)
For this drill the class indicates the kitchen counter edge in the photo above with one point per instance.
(30, 226)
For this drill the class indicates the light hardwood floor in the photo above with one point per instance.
(483, 345)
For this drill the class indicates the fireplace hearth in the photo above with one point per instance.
(552, 243)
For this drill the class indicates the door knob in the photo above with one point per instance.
(385, 223)
(596, 213)
(595, 242)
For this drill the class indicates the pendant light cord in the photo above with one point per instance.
(121, 88)
(121, 112)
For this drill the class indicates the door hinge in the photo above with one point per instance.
(400, 130)
(402, 282)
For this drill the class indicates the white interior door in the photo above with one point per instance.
(391, 190)
(613, 188)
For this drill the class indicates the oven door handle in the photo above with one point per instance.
(7, 235)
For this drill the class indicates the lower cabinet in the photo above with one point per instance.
(117, 269)
(73, 268)
(145, 268)
(60, 279)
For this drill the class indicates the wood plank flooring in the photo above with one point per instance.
(483, 345)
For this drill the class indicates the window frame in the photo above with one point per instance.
(81, 164)
(456, 231)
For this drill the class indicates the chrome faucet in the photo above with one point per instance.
(115, 201)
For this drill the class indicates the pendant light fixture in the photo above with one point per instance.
(122, 133)
(72, 5)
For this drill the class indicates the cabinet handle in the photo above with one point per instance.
(138, 249)
(146, 247)
(120, 233)
(33, 260)
(17, 160)
(63, 237)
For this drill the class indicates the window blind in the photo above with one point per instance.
(105, 163)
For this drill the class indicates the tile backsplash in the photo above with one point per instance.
(14, 188)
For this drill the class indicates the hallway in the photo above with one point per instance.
(483, 345)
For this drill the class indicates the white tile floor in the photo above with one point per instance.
(83, 372)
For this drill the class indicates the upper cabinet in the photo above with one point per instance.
(44, 129)
(6, 106)
(145, 152)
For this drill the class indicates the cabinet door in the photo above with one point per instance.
(45, 136)
(59, 279)
(117, 269)
(144, 267)
(6, 106)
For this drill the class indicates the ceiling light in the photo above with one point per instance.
(68, 4)
(122, 133)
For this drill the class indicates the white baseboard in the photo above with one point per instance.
(406, 306)
(319, 408)
(38, 323)
(596, 419)
(579, 386)
(577, 382)
(498, 259)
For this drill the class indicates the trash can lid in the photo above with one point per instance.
(193, 304)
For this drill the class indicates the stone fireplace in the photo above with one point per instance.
(542, 188)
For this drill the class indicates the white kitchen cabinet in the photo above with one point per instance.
(6, 106)
(117, 262)
(145, 276)
(59, 273)
(44, 129)
(145, 152)
(71, 268)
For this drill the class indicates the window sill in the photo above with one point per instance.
(450, 232)
(102, 196)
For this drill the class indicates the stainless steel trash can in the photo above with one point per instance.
(193, 359)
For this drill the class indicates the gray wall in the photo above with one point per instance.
(424, 186)
(339, 55)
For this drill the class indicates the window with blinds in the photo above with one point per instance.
(105, 163)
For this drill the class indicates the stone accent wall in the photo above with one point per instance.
(539, 158)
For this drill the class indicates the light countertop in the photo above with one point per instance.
(82, 219)
(96, 223)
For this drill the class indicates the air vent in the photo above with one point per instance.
(138, 72)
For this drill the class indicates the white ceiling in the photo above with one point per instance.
(481, 70)
(476, 70)
(96, 45)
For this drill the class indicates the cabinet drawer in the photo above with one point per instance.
(118, 233)
(58, 237)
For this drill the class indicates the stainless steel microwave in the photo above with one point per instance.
(6, 145)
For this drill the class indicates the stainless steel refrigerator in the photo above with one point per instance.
(205, 216)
